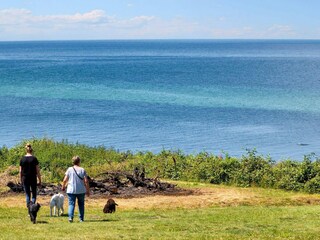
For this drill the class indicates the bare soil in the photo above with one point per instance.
(197, 198)
(169, 198)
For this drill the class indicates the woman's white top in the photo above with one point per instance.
(75, 184)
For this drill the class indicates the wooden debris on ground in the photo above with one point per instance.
(115, 183)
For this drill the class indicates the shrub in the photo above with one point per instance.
(224, 170)
(313, 186)
(250, 170)
(253, 169)
(287, 175)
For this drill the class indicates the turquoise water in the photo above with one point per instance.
(216, 96)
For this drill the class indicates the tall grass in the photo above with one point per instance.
(251, 169)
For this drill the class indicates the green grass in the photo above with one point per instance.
(242, 222)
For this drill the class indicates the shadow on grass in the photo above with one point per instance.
(56, 216)
(42, 222)
(65, 215)
(101, 220)
(61, 216)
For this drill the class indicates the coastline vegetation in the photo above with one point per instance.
(250, 170)
(217, 211)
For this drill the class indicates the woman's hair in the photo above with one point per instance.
(76, 160)
(28, 148)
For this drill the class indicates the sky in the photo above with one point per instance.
(158, 19)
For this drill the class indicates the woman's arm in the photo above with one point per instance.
(86, 183)
(20, 173)
(64, 182)
(38, 174)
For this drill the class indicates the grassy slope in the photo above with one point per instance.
(257, 214)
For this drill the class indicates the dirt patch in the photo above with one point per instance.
(11, 174)
(115, 184)
(198, 198)
(133, 191)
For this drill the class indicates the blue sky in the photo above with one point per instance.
(159, 19)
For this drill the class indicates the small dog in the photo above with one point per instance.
(33, 209)
(110, 207)
(56, 203)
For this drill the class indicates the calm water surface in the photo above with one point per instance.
(215, 96)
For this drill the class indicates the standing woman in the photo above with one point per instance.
(29, 172)
(78, 186)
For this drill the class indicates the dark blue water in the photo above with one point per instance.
(215, 96)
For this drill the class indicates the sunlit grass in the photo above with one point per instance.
(245, 222)
(278, 217)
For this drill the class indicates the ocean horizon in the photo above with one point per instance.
(218, 96)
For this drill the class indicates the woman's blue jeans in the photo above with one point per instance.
(27, 185)
(72, 202)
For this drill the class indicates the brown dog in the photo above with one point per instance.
(110, 207)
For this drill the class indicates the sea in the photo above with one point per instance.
(215, 96)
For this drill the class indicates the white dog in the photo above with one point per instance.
(56, 202)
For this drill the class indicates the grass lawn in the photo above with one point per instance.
(214, 212)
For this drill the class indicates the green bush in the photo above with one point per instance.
(249, 170)
(253, 169)
(313, 185)
(288, 175)
(224, 170)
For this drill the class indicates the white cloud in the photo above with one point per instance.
(280, 30)
(94, 24)
(133, 22)
(173, 28)
(276, 31)
(25, 17)
(93, 16)
(242, 32)
(22, 24)
(14, 16)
